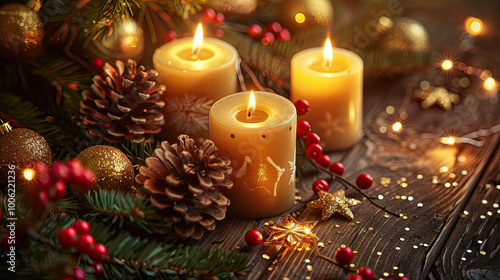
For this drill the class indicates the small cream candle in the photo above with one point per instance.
(332, 81)
(196, 72)
(260, 141)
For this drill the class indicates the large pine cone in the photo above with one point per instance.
(183, 181)
(124, 105)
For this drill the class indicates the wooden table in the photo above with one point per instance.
(448, 196)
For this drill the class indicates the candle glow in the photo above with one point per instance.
(447, 64)
(251, 105)
(327, 54)
(197, 42)
(397, 126)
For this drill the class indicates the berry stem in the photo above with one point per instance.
(346, 268)
(345, 182)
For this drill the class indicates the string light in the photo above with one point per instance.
(397, 126)
(28, 174)
(300, 17)
(489, 83)
(473, 25)
(447, 64)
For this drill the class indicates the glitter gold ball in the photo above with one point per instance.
(334, 203)
(112, 170)
(21, 32)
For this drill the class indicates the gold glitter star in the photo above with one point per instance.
(334, 203)
(290, 233)
(437, 96)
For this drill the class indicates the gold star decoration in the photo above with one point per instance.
(437, 96)
(334, 203)
(290, 233)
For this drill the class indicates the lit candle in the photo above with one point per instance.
(260, 141)
(197, 71)
(331, 80)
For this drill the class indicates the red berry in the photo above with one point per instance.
(78, 274)
(302, 107)
(86, 244)
(219, 32)
(364, 181)
(208, 15)
(75, 169)
(283, 35)
(59, 171)
(58, 190)
(337, 168)
(42, 176)
(100, 253)
(355, 277)
(402, 278)
(97, 63)
(274, 27)
(323, 160)
(219, 18)
(67, 237)
(314, 151)
(42, 199)
(267, 39)
(255, 31)
(86, 179)
(303, 128)
(95, 269)
(344, 255)
(170, 36)
(312, 138)
(320, 185)
(5, 241)
(253, 237)
(81, 226)
(366, 273)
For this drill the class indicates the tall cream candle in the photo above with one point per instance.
(261, 149)
(195, 76)
(332, 81)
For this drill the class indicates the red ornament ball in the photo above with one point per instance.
(67, 237)
(344, 256)
(323, 160)
(170, 36)
(100, 253)
(366, 273)
(283, 35)
(320, 185)
(302, 107)
(86, 244)
(303, 128)
(219, 19)
(355, 277)
(314, 151)
(255, 31)
(402, 278)
(78, 274)
(81, 227)
(208, 15)
(267, 39)
(274, 27)
(364, 181)
(337, 168)
(312, 138)
(253, 237)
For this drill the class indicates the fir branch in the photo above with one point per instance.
(119, 208)
(138, 152)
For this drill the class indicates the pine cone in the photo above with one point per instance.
(183, 181)
(124, 105)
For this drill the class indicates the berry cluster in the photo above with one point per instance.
(314, 151)
(50, 186)
(211, 16)
(78, 236)
(274, 32)
(79, 274)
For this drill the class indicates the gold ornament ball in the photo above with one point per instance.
(21, 32)
(23, 148)
(299, 15)
(236, 8)
(112, 170)
(124, 40)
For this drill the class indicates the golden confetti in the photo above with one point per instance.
(484, 201)
(385, 181)
(386, 274)
(264, 256)
(309, 267)
(395, 267)
(420, 176)
(370, 228)
(321, 244)
(334, 203)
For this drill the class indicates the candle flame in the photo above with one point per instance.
(251, 105)
(197, 42)
(327, 54)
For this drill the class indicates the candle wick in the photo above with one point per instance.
(195, 53)
(327, 63)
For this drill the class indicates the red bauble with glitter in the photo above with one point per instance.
(364, 181)
(253, 237)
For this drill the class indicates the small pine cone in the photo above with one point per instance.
(183, 181)
(124, 104)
